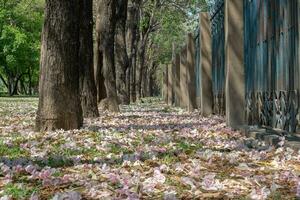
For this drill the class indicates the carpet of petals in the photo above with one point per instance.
(147, 151)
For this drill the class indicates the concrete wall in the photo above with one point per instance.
(206, 93)
(176, 82)
(234, 64)
(170, 84)
(183, 78)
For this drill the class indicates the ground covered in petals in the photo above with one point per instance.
(148, 151)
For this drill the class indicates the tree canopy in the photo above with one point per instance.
(20, 28)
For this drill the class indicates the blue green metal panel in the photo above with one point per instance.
(218, 56)
(272, 70)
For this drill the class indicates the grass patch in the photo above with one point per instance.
(117, 149)
(166, 110)
(19, 191)
(167, 158)
(13, 151)
(55, 161)
(188, 148)
(149, 138)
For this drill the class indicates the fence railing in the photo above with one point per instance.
(272, 73)
(253, 63)
(218, 52)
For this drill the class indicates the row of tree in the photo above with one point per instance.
(121, 68)
(20, 22)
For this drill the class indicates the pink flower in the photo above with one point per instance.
(298, 189)
(260, 194)
(210, 183)
(282, 141)
(18, 169)
(113, 178)
(30, 169)
(66, 178)
(5, 169)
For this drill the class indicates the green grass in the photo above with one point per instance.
(13, 151)
(19, 99)
(188, 148)
(19, 191)
(117, 149)
(55, 161)
(149, 138)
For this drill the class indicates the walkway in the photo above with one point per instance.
(148, 151)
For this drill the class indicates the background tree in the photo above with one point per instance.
(121, 57)
(107, 26)
(59, 99)
(162, 24)
(98, 53)
(20, 28)
(87, 85)
(133, 16)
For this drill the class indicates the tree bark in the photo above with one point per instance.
(140, 69)
(121, 56)
(98, 57)
(87, 85)
(59, 97)
(30, 82)
(107, 10)
(132, 42)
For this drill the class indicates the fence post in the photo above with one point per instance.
(183, 79)
(177, 92)
(234, 63)
(165, 84)
(206, 93)
(170, 84)
(191, 73)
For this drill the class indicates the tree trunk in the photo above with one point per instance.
(15, 85)
(107, 10)
(132, 42)
(146, 75)
(87, 85)
(98, 58)
(59, 97)
(29, 82)
(140, 70)
(121, 56)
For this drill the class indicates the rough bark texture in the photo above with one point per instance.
(107, 10)
(140, 69)
(132, 42)
(59, 102)
(98, 58)
(86, 78)
(121, 56)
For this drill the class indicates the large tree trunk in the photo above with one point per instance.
(132, 42)
(59, 99)
(107, 10)
(121, 56)
(87, 85)
(98, 57)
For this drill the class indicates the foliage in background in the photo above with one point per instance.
(20, 30)
(175, 19)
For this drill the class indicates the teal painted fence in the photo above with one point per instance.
(271, 63)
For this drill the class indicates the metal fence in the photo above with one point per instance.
(272, 69)
(218, 52)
